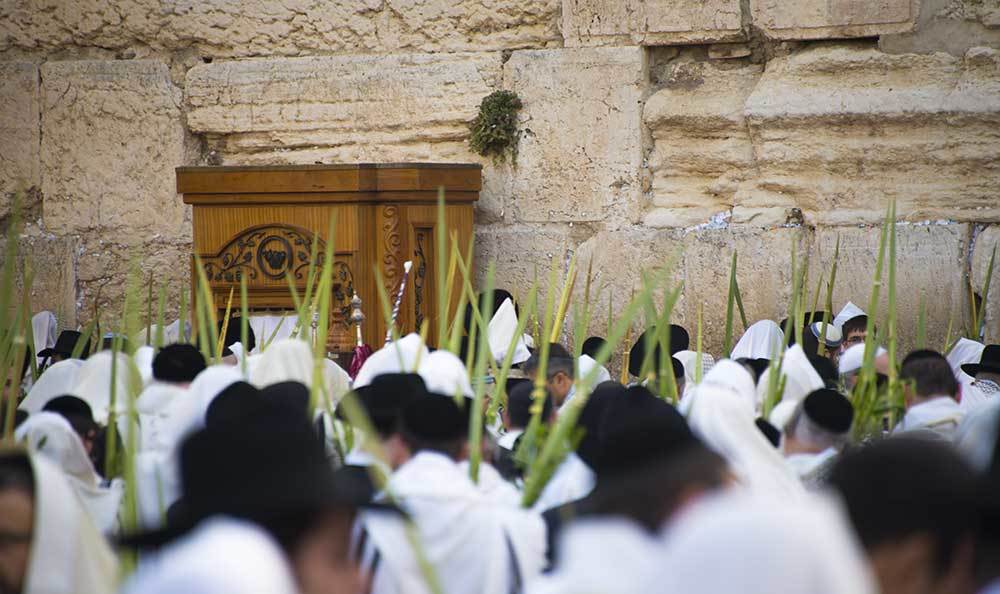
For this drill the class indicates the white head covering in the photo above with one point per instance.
(849, 312)
(144, 356)
(716, 548)
(401, 356)
(722, 415)
(58, 380)
(853, 358)
(43, 330)
(964, 352)
(337, 381)
(50, 435)
(188, 414)
(762, 340)
(286, 360)
(801, 379)
(689, 360)
(500, 332)
(585, 364)
(444, 373)
(94, 383)
(68, 554)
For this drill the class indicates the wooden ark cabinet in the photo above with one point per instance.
(261, 221)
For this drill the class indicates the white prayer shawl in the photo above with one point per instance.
(51, 436)
(849, 312)
(801, 379)
(940, 416)
(715, 547)
(762, 340)
(854, 358)
(58, 380)
(723, 417)
(571, 481)
(154, 405)
(976, 435)
(221, 555)
(401, 356)
(187, 414)
(144, 363)
(68, 553)
(603, 554)
(94, 383)
(805, 464)
(466, 538)
(286, 360)
(264, 326)
(500, 333)
(732, 376)
(43, 331)
(965, 352)
(444, 373)
(493, 486)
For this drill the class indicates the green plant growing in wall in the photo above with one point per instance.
(494, 130)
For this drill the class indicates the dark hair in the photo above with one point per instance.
(16, 472)
(519, 404)
(559, 361)
(650, 493)
(931, 375)
(178, 363)
(76, 411)
(855, 324)
(826, 370)
(905, 486)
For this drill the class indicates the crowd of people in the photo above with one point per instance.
(239, 479)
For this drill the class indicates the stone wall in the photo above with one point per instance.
(652, 131)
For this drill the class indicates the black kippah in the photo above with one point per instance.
(770, 431)
(178, 363)
(829, 409)
(436, 418)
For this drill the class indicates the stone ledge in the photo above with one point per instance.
(833, 19)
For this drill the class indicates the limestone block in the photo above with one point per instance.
(930, 264)
(467, 25)
(764, 273)
(650, 22)
(103, 268)
(519, 252)
(952, 26)
(19, 129)
(580, 149)
(391, 108)
(112, 133)
(52, 263)
(702, 149)
(833, 19)
(986, 240)
(619, 260)
(232, 28)
(840, 130)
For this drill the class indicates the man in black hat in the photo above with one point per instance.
(63, 348)
(816, 434)
(931, 396)
(261, 511)
(986, 372)
(679, 341)
(650, 465)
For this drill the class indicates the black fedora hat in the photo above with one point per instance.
(64, 345)
(989, 361)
